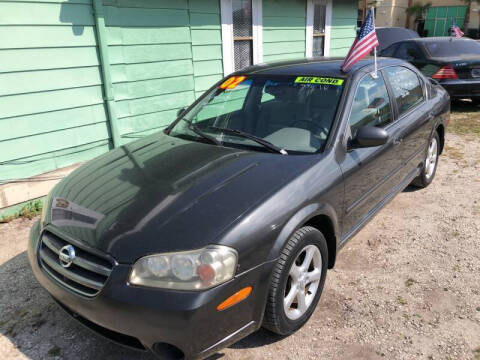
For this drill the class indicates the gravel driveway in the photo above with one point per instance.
(407, 286)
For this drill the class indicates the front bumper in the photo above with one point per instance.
(150, 318)
(460, 88)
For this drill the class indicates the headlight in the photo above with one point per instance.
(186, 270)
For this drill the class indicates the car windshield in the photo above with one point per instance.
(294, 114)
(453, 48)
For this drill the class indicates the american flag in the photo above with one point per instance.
(456, 31)
(363, 44)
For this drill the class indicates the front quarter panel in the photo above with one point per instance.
(261, 234)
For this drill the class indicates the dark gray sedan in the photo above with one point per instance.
(189, 239)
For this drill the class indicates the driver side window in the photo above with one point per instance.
(371, 105)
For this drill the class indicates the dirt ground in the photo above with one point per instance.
(406, 287)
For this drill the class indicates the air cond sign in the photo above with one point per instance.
(319, 80)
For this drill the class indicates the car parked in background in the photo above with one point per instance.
(189, 239)
(390, 35)
(453, 62)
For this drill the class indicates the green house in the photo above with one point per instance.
(79, 77)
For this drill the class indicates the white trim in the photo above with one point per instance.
(328, 28)
(309, 30)
(309, 27)
(227, 36)
(257, 31)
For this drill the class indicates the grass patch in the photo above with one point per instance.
(29, 211)
(401, 300)
(409, 282)
(476, 354)
(465, 119)
(453, 153)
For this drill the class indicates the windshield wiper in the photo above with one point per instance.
(200, 133)
(252, 137)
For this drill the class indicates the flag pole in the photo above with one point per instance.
(375, 72)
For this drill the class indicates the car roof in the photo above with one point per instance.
(440, 39)
(390, 35)
(325, 66)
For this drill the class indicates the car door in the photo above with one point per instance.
(414, 114)
(370, 174)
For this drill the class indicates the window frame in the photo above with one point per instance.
(398, 116)
(309, 27)
(226, 15)
(389, 94)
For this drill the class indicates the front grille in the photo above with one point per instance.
(86, 275)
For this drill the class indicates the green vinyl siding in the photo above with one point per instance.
(344, 22)
(162, 58)
(150, 49)
(52, 112)
(206, 43)
(283, 29)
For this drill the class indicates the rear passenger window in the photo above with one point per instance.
(371, 105)
(408, 52)
(406, 86)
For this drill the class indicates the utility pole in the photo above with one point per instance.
(410, 4)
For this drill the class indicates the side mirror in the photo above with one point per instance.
(368, 136)
(180, 112)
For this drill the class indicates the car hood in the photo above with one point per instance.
(163, 194)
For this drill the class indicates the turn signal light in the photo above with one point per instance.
(445, 72)
(235, 298)
(232, 82)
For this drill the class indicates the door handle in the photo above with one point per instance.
(397, 141)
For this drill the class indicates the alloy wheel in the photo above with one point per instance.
(431, 160)
(302, 282)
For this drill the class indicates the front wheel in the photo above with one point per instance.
(430, 164)
(297, 282)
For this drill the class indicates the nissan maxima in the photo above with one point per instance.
(190, 239)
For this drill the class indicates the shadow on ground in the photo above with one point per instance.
(463, 106)
(37, 326)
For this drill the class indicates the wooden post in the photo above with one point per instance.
(410, 4)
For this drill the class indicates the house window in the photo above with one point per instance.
(319, 14)
(241, 34)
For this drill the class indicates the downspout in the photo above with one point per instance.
(109, 98)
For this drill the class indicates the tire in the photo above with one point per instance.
(429, 167)
(286, 278)
(475, 101)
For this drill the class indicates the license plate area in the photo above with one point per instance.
(476, 72)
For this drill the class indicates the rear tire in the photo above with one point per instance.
(430, 163)
(297, 282)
